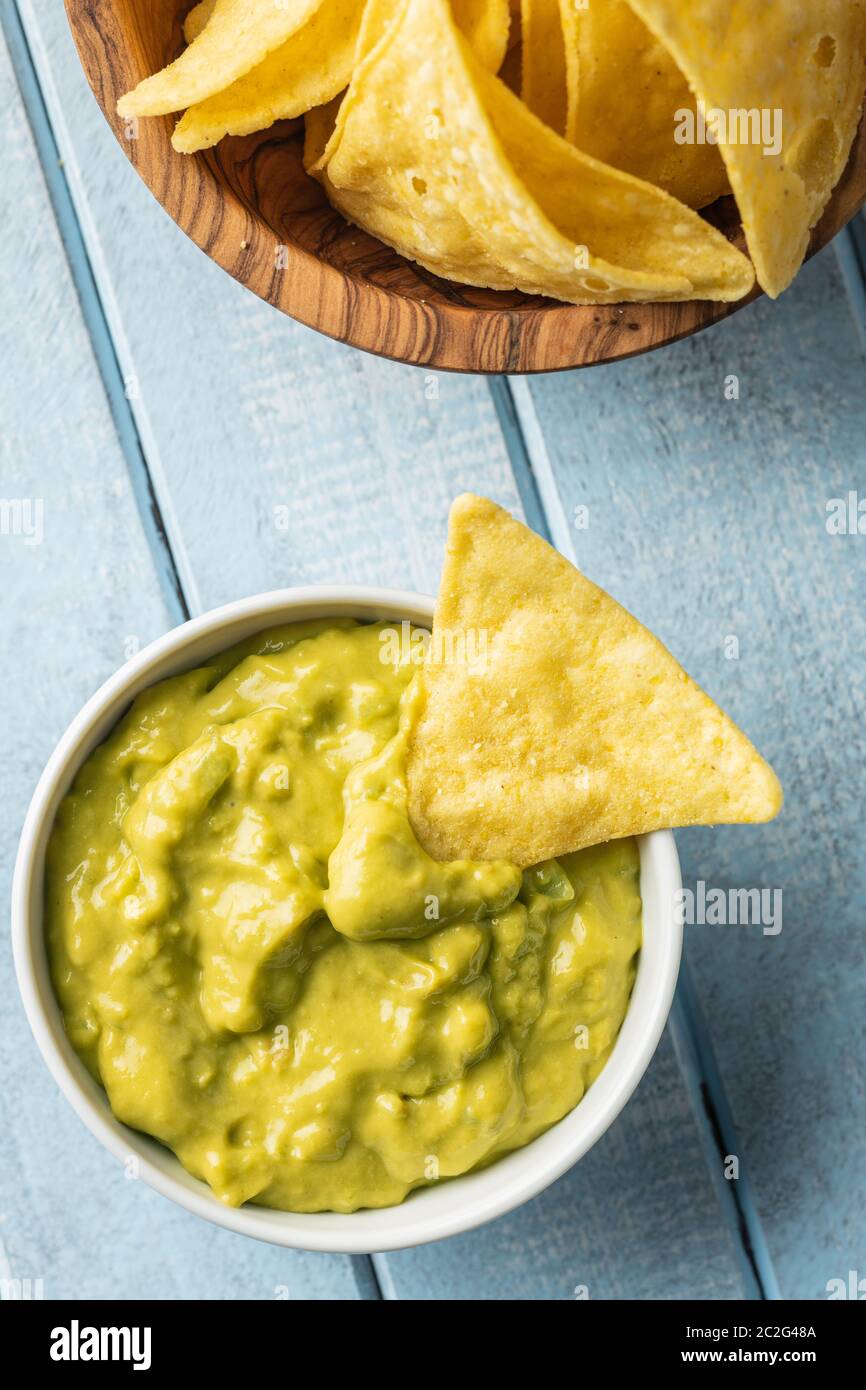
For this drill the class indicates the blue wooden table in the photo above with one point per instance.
(159, 420)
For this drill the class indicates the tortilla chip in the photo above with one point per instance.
(321, 122)
(486, 24)
(550, 719)
(238, 35)
(803, 59)
(511, 71)
(544, 85)
(630, 90)
(197, 18)
(316, 64)
(571, 19)
(309, 70)
(436, 157)
(318, 128)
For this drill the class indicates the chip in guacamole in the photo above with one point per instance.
(550, 718)
(258, 961)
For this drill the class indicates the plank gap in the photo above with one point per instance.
(169, 572)
(536, 484)
(850, 248)
(114, 381)
(366, 1278)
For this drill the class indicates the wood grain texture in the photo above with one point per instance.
(248, 198)
(247, 411)
(707, 518)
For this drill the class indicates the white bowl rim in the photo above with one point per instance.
(428, 1214)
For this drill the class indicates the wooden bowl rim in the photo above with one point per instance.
(523, 334)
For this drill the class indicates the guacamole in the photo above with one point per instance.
(260, 964)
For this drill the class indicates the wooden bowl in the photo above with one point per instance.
(250, 205)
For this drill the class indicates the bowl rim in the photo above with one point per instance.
(457, 1205)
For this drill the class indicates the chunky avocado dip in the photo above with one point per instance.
(266, 972)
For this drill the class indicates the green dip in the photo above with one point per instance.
(266, 972)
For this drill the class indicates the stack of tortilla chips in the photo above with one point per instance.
(560, 148)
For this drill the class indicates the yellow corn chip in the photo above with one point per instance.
(434, 155)
(238, 35)
(197, 19)
(309, 70)
(511, 71)
(544, 85)
(486, 24)
(316, 64)
(378, 17)
(571, 17)
(550, 719)
(630, 92)
(787, 79)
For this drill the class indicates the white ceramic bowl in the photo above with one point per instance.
(430, 1213)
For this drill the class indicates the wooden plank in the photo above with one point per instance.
(245, 413)
(75, 601)
(707, 517)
